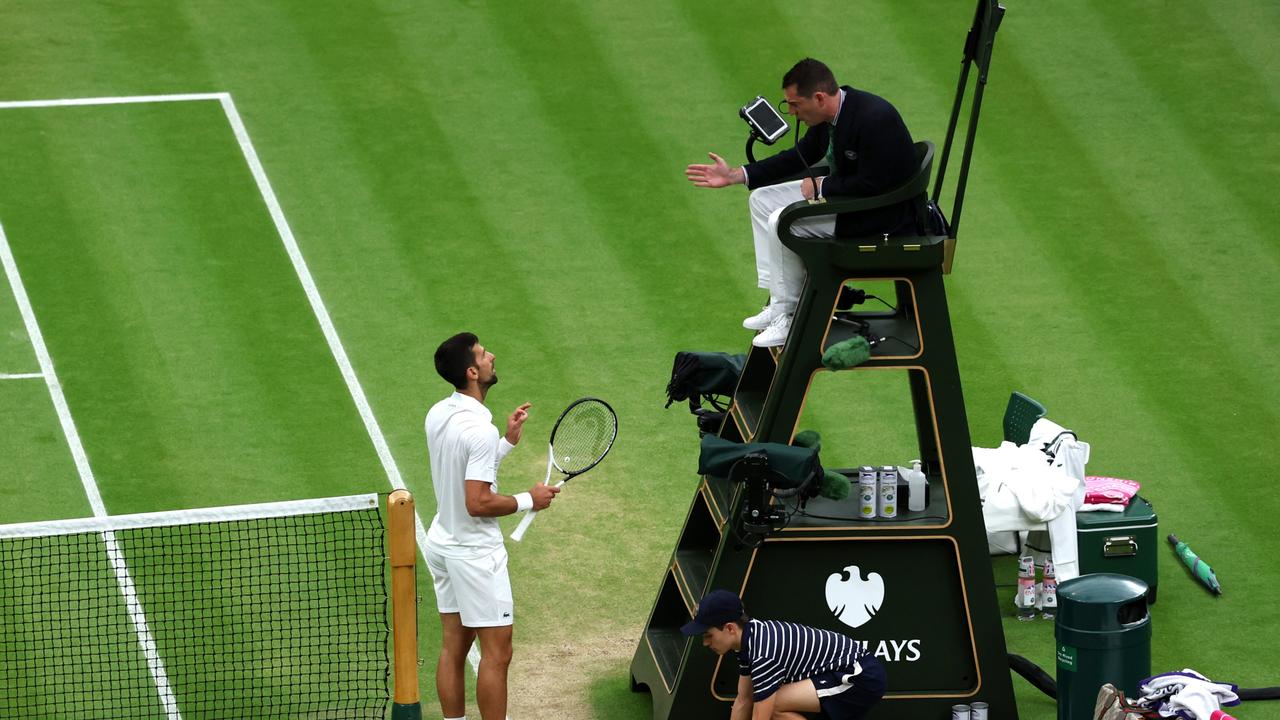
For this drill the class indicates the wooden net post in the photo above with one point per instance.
(404, 605)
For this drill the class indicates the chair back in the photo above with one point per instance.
(917, 184)
(1020, 415)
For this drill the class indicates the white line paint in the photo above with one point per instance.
(125, 100)
(20, 376)
(123, 579)
(138, 617)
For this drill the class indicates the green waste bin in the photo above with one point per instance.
(1103, 635)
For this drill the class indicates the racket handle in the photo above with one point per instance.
(518, 533)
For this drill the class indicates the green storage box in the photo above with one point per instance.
(1126, 543)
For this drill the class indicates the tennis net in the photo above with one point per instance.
(253, 611)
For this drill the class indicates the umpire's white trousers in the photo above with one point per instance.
(778, 269)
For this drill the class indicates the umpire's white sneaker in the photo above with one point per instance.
(761, 320)
(776, 334)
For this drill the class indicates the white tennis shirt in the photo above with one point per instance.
(463, 445)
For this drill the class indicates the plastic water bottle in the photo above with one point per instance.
(1026, 599)
(1049, 598)
(916, 484)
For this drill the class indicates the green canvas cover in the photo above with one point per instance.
(703, 373)
(796, 465)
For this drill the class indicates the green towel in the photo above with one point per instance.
(808, 439)
(847, 353)
(834, 486)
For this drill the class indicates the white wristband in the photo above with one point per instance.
(524, 501)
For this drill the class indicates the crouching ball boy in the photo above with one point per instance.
(786, 669)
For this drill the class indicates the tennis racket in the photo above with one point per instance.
(579, 441)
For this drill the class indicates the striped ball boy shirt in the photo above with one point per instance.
(775, 653)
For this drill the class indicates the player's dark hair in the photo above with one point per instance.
(454, 356)
(740, 622)
(810, 76)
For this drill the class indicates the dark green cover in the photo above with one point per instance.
(717, 372)
(1094, 530)
(797, 464)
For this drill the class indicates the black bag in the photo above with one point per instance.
(712, 376)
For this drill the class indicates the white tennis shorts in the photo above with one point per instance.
(478, 589)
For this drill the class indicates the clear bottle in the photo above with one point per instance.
(916, 483)
(1026, 598)
(1048, 600)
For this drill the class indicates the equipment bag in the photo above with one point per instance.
(712, 376)
(795, 468)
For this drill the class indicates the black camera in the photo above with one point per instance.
(759, 517)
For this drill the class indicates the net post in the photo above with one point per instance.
(403, 552)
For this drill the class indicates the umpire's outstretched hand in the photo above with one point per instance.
(716, 175)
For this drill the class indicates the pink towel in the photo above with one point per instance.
(1109, 490)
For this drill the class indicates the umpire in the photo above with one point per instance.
(786, 669)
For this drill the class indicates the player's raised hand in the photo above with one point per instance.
(515, 423)
(715, 175)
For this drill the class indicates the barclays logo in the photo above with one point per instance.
(854, 600)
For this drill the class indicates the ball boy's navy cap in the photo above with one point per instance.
(717, 608)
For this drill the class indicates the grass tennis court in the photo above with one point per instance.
(516, 169)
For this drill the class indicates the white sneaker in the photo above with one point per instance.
(776, 334)
(761, 320)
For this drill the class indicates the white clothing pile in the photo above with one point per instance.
(1037, 486)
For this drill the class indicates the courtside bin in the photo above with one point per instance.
(1103, 635)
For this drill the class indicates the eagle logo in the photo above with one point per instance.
(853, 600)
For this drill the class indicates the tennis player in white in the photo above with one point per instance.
(465, 550)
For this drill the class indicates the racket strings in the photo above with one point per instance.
(583, 436)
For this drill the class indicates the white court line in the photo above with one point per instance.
(125, 100)
(20, 376)
(123, 579)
